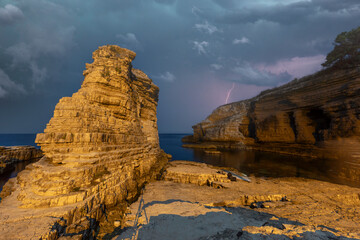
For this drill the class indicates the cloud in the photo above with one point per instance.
(42, 43)
(227, 4)
(297, 67)
(129, 40)
(288, 13)
(167, 77)
(26, 55)
(200, 46)
(242, 40)
(335, 6)
(20, 53)
(49, 44)
(216, 66)
(54, 42)
(128, 37)
(167, 2)
(38, 74)
(249, 74)
(6, 85)
(196, 11)
(206, 27)
(10, 14)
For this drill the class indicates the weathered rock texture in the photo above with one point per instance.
(302, 117)
(101, 146)
(9, 156)
(290, 208)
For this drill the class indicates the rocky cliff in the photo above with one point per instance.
(100, 147)
(9, 156)
(312, 116)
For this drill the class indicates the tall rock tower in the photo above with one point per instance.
(100, 147)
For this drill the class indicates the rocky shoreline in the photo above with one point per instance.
(9, 156)
(209, 204)
(315, 116)
(199, 201)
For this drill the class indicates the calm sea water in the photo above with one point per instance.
(18, 140)
(171, 144)
(266, 164)
(256, 163)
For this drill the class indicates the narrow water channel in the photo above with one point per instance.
(15, 140)
(11, 174)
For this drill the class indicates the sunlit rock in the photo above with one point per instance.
(101, 147)
(9, 156)
(273, 208)
(306, 114)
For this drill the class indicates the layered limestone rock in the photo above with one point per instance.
(101, 146)
(274, 208)
(9, 156)
(302, 117)
(15, 159)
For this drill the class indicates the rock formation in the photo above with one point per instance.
(318, 115)
(100, 147)
(9, 156)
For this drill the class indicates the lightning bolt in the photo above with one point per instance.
(229, 93)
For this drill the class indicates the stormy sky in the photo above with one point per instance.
(196, 51)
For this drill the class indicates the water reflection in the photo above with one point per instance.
(257, 163)
(345, 170)
(274, 165)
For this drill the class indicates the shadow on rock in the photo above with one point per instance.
(224, 223)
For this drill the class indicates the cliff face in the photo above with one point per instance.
(9, 156)
(100, 147)
(316, 112)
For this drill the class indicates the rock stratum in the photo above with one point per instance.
(101, 147)
(9, 156)
(318, 115)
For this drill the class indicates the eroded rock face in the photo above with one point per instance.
(313, 113)
(12, 155)
(101, 146)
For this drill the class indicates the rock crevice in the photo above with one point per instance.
(9, 156)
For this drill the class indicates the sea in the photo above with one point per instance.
(253, 163)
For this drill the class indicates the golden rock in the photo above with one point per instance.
(101, 147)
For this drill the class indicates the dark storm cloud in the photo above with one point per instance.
(248, 74)
(280, 12)
(6, 85)
(193, 49)
(10, 14)
(129, 41)
(335, 5)
(165, 1)
(37, 43)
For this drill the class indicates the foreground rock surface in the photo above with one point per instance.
(100, 147)
(9, 156)
(318, 115)
(197, 201)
